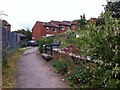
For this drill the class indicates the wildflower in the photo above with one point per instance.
(87, 67)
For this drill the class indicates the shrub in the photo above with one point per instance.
(23, 45)
(62, 65)
(44, 41)
(81, 76)
(8, 69)
(101, 42)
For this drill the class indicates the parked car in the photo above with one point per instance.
(32, 43)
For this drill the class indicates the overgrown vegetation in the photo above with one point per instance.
(101, 41)
(8, 69)
(102, 44)
(113, 7)
(62, 65)
(44, 41)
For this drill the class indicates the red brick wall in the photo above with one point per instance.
(60, 31)
(66, 29)
(43, 29)
(51, 31)
(37, 31)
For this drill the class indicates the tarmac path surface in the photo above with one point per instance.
(34, 72)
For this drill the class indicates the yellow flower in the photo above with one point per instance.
(87, 67)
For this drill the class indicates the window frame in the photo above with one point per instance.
(63, 28)
(47, 29)
(54, 29)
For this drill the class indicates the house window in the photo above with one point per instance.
(62, 27)
(54, 29)
(47, 29)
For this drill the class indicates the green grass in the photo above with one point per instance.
(9, 69)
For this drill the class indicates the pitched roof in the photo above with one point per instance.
(74, 22)
(60, 23)
(5, 23)
(48, 24)
(21, 35)
(71, 22)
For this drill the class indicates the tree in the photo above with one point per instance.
(27, 32)
(82, 22)
(114, 8)
(101, 42)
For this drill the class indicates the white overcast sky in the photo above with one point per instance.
(24, 13)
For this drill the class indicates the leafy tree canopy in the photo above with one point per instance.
(26, 32)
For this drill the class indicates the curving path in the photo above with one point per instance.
(34, 72)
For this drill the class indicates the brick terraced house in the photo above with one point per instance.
(45, 29)
(72, 24)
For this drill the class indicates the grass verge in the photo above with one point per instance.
(9, 69)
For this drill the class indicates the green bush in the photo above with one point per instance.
(81, 76)
(101, 42)
(23, 45)
(62, 65)
(43, 41)
(4, 61)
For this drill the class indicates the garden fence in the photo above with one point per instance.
(9, 41)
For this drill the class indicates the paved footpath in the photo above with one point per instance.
(34, 72)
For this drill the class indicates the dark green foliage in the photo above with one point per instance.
(4, 62)
(27, 32)
(23, 45)
(101, 42)
(44, 41)
(82, 22)
(114, 8)
(100, 21)
(62, 65)
(81, 76)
